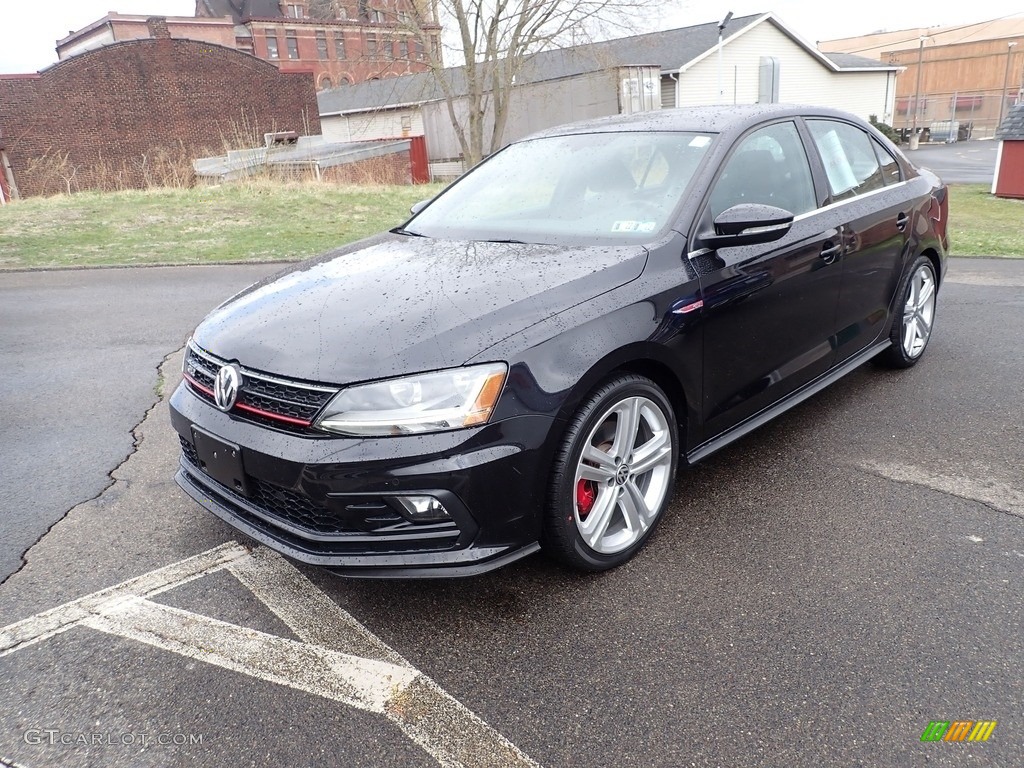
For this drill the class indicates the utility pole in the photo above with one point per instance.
(917, 90)
(721, 29)
(1006, 80)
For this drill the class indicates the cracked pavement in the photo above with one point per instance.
(80, 350)
(818, 592)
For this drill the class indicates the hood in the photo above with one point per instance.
(396, 304)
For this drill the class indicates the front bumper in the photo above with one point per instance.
(331, 501)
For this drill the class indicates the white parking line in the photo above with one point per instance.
(425, 712)
(365, 684)
(337, 658)
(49, 623)
(307, 611)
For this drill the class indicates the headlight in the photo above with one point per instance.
(427, 402)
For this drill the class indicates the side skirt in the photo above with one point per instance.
(795, 398)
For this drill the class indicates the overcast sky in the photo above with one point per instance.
(30, 28)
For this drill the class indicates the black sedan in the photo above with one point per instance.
(525, 362)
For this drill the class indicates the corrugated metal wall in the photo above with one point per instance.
(366, 126)
(639, 89)
(532, 108)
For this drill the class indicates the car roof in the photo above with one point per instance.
(705, 119)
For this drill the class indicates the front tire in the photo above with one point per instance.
(912, 326)
(613, 475)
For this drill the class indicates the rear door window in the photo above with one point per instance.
(850, 161)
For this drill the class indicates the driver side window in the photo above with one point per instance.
(770, 167)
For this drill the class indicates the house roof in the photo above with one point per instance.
(240, 10)
(879, 43)
(672, 50)
(852, 61)
(1012, 126)
(669, 49)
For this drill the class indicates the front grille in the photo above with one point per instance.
(293, 508)
(189, 451)
(287, 505)
(347, 522)
(275, 400)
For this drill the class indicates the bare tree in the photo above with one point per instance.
(326, 9)
(497, 38)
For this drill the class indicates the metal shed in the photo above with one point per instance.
(1009, 180)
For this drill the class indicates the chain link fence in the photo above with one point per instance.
(953, 115)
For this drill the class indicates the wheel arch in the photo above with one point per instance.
(933, 257)
(649, 361)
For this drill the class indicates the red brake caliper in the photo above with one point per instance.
(586, 492)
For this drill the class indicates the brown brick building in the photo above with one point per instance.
(340, 41)
(120, 114)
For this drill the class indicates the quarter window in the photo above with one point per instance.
(850, 162)
(769, 167)
(890, 168)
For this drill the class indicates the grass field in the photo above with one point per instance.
(259, 222)
(983, 225)
(244, 222)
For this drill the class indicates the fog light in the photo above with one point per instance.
(422, 509)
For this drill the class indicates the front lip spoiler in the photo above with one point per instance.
(451, 564)
(438, 571)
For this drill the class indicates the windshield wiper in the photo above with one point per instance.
(404, 231)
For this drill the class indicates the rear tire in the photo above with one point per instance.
(613, 475)
(914, 316)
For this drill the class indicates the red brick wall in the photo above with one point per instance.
(124, 106)
(390, 59)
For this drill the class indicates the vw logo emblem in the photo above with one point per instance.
(226, 386)
(622, 474)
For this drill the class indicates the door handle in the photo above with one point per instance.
(901, 222)
(829, 251)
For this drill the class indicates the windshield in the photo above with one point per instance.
(614, 188)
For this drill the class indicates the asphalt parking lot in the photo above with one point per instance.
(963, 162)
(818, 593)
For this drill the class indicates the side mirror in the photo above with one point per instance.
(748, 224)
(417, 207)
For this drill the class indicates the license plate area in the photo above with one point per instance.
(220, 460)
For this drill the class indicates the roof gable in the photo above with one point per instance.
(1012, 126)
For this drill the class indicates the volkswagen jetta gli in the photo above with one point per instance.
(526, 361)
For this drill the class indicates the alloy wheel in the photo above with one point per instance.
(623, 475)
(919, 312)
